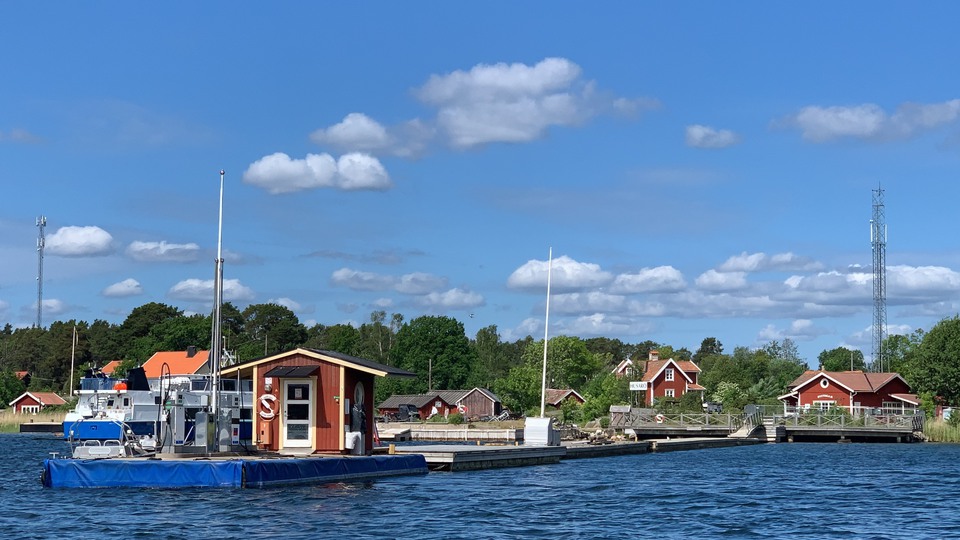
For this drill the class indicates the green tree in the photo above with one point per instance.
(614, 349)
(601, 391)
(710, 346)
(569, 363)
(935, 368)
(10, 387)
(343, 338)
(731, 395)
(437, 350)
(899, 351)
(520, 389)
(841, 359)
(269, 328)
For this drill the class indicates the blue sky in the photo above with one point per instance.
(698, 170)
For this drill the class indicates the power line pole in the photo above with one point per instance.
(41, 242)
(878, 240)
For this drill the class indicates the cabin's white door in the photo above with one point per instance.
(297, 413)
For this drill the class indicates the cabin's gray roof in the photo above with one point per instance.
(390, 370)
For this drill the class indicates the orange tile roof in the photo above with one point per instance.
(695, 386)
(555, 396)
(111, 365)
(654, 367)
(177, 361)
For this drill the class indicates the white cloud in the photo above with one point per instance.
(650, 280)
(162, 251)
(420, 283)
(712, 280)
(202, 290)
(452, 299)
(566, 274)
(757, 262)
(799, 330)
(18, 136)
(586, 302)
(279, 173)
(292, 305)
(870, 121)
(356, 132)
(127, 287)
(361, 281)
(699, 136)
(600, 324)
(52, 307)
(912, 279)
(76, 241)
(632, 107)
(505, 102)
(4, 307)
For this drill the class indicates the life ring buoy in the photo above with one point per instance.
(266, 406)
(659, 418)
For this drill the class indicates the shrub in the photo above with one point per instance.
(455, 419)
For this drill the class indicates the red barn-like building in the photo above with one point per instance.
(34, 402)
(669, 378)
(313, 401)
(852, 390)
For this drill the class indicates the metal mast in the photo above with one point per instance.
(216, 338)
(41, 242)
(546, 337)
(878, 240)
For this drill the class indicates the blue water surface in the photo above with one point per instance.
(766, 491)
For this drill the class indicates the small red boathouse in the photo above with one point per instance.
(313, 401)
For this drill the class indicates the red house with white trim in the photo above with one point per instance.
(853, 390)
(34, 402)
(313, 401)
(669, 378)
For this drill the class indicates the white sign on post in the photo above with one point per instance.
(638, 385)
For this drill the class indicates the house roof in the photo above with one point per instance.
(908, 398)
(111, 365)
(43, 398)
(450, 397)
(21, 374)
(655, 367)
(555, 396)
(333, 357)
(417, 400)
(854, 381)
(694, 386)
(178, 362)
(622, 366)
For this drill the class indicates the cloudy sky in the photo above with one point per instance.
(697, 173)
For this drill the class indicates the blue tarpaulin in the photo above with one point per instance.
(143, 473)
(177, 473)
(271, 472)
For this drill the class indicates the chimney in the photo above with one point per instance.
(191, 351)
(654, 355)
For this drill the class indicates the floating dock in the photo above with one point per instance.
(224, 472)
(457, 457)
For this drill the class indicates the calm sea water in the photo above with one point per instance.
(769, 491)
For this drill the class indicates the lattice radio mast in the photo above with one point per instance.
(878, 240)
(41, 242)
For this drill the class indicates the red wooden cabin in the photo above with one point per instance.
(853, 390)
(313, 401)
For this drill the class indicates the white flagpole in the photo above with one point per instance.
(546, 337)
(73, 353)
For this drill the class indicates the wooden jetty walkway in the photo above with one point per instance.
(461, 457)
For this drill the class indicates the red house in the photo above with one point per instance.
(668, 378)
(34, 402)
(853, 390)
(313, 401)
(555, 397)
(475, 403)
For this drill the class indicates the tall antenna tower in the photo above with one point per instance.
(878, 240)
(41, 241)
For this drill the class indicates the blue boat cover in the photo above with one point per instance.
(142, 473)
(273, 472)
(253, 473)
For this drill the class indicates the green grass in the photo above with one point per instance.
(940, 431)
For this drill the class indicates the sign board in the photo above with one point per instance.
(638, 385)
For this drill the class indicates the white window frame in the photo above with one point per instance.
(30, 409)
(670, 393)
(668, 375)
(824, 405)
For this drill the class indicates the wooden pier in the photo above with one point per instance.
(461, 457)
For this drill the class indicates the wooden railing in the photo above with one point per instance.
(621, 419)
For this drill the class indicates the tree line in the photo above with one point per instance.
(438, 350)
